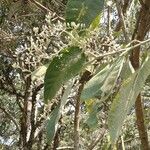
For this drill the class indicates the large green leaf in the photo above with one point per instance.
(102, 83)
(56, 113)
(63, 67)
(125, 99)
(83, 11)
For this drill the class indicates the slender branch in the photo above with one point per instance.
(125, 50)
(137, 45)
(33, 110)
(11, 92)
(10, 117)
(108, 21)
(122, 143)
(140, 123)
(120, 13)
(140, 31)
(77, 118)
(142, 3)
(124, 8)
(65, 148)
(25, 119)
(45, 9)
(94, 143)
(85, 77)
(41, 6)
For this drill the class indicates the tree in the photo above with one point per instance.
(92, 57)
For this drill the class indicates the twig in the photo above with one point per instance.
(33, 110)
(125, 50)
(137, 45)
(122, 143)
(10, 117)
(108, 21)
(85, 77)
(65, 147)
(41, 6)
(11, 92)
(141, 29)
(142, 3)
(94, 143)
(45, 9)
(120, 13)
(124, 8)
(77, 118)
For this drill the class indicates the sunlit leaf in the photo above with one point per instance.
(125, 99)
(103, 82)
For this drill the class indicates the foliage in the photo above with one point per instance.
(62, 68)
(83, 11)
(124, 102)
(70, 75)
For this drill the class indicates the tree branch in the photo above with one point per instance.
(120, 14)
(139, 34)
(33, 109)
(95, 142)
(10, 117)
(120, 50)
(124, 8)
(64, 148)
(85, 77)
(45, 9)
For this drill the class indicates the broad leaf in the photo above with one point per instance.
(56, 113)
(83, 11)
(63, 67)
(126, 98)
(102, 83)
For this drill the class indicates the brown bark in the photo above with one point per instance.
(85, 77)
(77, 119)
(142, 27)
(140, 123)
(56, 139)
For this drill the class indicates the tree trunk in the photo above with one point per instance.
(142, 27)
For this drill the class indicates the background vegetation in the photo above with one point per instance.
(74, 74)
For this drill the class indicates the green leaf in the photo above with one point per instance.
(63, 67)
(92, 109)
(127, 70)
(126, 98)
(95, 23)
(83, 11)
(38, 73)
(102, 83)
(56, 113)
